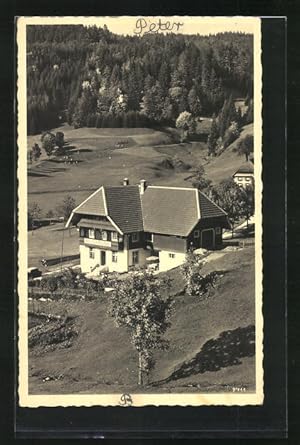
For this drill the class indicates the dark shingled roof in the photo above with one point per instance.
(169, 211)
(175, 211)
(208, 209)
(164, 210)
(124, 207)
(247, 167)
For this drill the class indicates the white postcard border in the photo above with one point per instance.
(249, 24)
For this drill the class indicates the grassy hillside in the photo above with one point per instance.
(99, 162)
(229, 161)
(46, 242)
(211, 341)
(148, 154)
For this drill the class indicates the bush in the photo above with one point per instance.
(48, 142)
(70, 285)
(196, 283)
(231, 134)
(69, 279)
(43, 283)
(65, 207)
(36, 152)
(60, 140)
(52, 284)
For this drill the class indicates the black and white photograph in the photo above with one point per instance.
(139, 211)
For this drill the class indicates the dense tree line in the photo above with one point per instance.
(226, 126)
(92, 77)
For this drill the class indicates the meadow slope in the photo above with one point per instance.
(146, 156)
(211, 341)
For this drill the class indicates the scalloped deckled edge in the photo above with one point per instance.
(106, 400)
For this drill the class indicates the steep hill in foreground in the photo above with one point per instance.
(211, 341)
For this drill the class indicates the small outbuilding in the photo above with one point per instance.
(244, 176)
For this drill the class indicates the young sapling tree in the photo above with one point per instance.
(138, 304)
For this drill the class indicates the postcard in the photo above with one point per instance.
(139, 211)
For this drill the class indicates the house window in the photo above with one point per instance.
(196, 234)
(114, 236)
(82, 232)
(135, 257)
(239, 179)
(218, 230)
(114, 257)
(97, 234)
(171, 255)
(104, 235)
(92, 253)
(91, 233)
(135, 237)
(248, 179)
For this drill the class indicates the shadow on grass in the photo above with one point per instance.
(53, 261)
(74, 149)
(226, 350)
(37, 174)
(46, 169)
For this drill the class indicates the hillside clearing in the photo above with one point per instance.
(204, 352)
(229, 161)
(100, 163)
(46, 242)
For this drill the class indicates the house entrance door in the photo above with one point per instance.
(208, 239)
(103, 257)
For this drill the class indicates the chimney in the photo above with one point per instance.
(143, 186)
(125, 181)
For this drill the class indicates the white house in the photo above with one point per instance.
(244, 176)
(121, 226)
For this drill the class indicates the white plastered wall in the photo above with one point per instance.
(241, 179)
(167, 263)
(122, 261)
(89, 265)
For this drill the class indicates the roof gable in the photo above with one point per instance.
(124, 207)
(247, 167)
(163, 210)
(93, 205)
(208, 209)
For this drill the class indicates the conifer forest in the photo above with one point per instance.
(91, 77)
